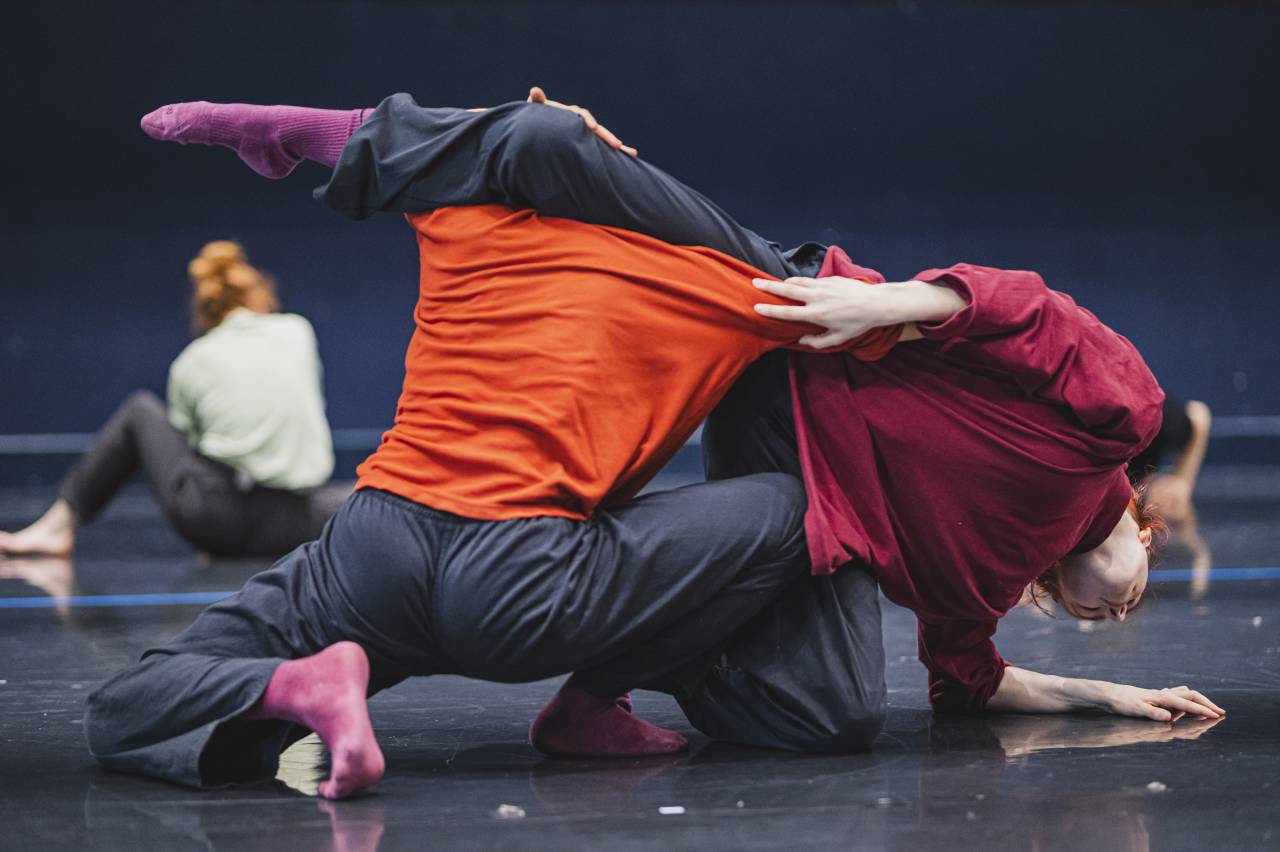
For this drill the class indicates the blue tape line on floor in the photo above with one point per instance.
(1181, 575)
(1173, 575)
(115, 600)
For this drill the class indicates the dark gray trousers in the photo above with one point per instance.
(199, 496)
(411, 159)
(808, 672)
(625, 597)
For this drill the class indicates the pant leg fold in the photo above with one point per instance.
(171, 738)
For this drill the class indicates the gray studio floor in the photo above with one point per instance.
(461, 774)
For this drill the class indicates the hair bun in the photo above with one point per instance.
(224, 280)
(216, 259)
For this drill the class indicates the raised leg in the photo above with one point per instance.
(405, 158)
(410, 159)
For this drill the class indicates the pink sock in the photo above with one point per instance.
(272, 140)
(576, 723)
(326, 693)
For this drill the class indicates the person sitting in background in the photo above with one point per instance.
(239, 457)
(1184, 432)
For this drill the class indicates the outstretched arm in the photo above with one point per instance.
(1025, 691)
(967, 674)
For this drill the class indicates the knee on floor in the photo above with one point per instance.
(854, 730)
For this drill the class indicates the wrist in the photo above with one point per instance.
(1095, 695)
(1082, 694)
(902, 302)
(921, 302)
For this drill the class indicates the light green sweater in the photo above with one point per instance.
(248, 394)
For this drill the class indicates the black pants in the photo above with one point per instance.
(807, 673)
(200, 496)
(626, 598)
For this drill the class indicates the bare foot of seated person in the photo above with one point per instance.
(54, 534)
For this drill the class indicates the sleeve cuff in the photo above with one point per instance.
(958, 324)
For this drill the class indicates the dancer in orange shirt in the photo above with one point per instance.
(496, 533)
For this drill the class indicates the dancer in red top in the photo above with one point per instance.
(962, 466)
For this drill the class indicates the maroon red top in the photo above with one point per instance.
(961, 466)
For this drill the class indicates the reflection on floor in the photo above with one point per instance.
(461, 775)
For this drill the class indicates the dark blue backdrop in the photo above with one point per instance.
(1124, 150)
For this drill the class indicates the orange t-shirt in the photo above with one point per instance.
(558, 365)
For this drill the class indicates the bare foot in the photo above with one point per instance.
(326, 693)
(577, 724)
(53, 535)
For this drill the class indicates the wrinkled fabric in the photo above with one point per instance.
(961, 466)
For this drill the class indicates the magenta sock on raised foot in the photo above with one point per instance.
(326, 693)
(272, 140)
(576, 723)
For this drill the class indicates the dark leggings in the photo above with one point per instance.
(199, 496)
(808, 672)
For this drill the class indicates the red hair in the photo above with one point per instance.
(1049, 583)
(223, 280)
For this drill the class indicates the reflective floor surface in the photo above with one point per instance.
(461, 775)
